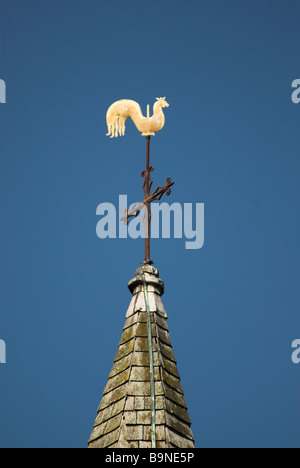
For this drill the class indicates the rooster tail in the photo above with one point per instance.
(116, 127)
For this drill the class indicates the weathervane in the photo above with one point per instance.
(148, 126)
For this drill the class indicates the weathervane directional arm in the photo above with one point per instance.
(160, 191)
(156, 196)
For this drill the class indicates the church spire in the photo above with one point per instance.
(127, 417)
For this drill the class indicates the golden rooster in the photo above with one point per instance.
(127, 109)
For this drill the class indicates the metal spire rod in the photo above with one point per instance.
(147, 187)
(156, 196)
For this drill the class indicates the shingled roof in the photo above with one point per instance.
(124, 416)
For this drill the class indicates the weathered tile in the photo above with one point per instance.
(118, 407)
(104, 415)
(133, 445)
(160, 417)
(139, 389)
(172, 381)
(170, 366)
(120, 366)
(135, 433)
(132, 320)
(113, 424)
(160, 308)
(142, 317)
(98, 431)
(159, 430)
(160, 402)
(177, 410)
(142, 374)
(139, 403)
(106, 440)
(167, 351)
(142, 330)
(143, 417)
(129, 406)
(130, 417)
(141, 344)
(117, 381)
(161, 445)
(173, 395)
(114, 446)
(164, 336)
(179, 426)
(112, 397)
(152, 302)
(128, 334)
(124, 350)
(132, 307)
(159, 389)
(145, 445)
(141, 359)
(161, 322)
(177, 440)
(140, 302)
(148, 402)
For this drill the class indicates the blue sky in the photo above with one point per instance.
(231, 141)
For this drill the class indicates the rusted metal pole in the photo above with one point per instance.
(156, 196)
(147, 204)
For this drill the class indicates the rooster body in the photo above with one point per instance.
(128, 109)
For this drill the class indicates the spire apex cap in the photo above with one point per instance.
(150, 276)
